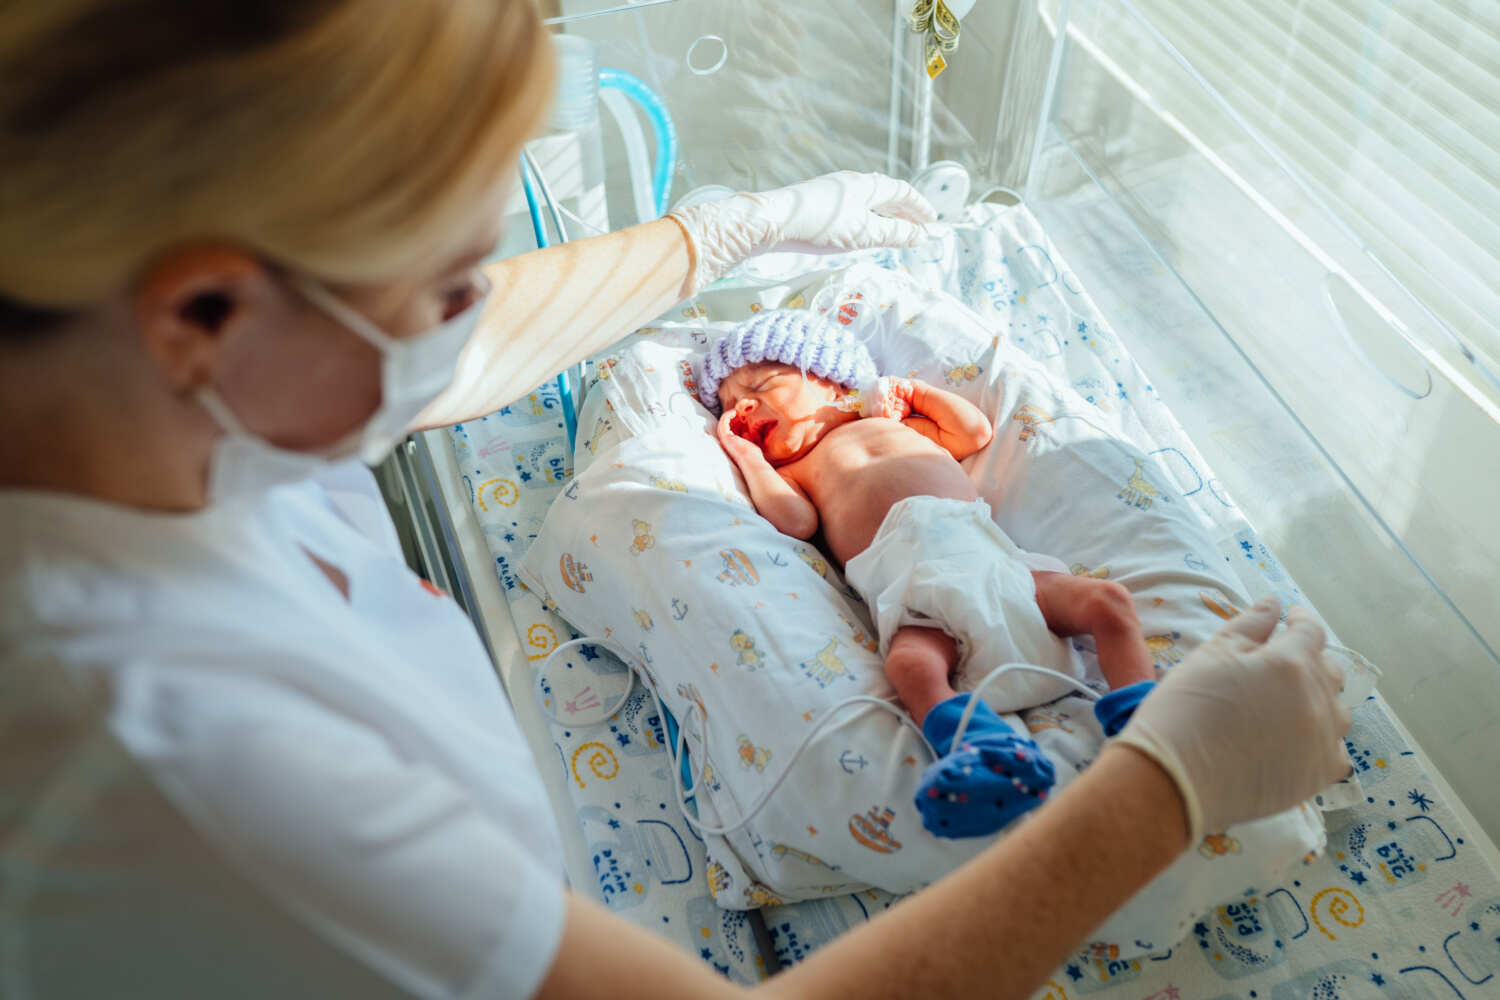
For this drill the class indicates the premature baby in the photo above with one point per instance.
(825, 445)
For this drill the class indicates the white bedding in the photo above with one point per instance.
(999, 261)
(757, 644)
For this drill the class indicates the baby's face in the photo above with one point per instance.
(781, 409)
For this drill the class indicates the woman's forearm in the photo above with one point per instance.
(1001, 924)
(555, 307)
(997, 927)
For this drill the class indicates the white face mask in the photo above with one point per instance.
(413, 372)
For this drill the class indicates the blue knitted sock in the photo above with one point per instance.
(1116, 708)
(994, 776)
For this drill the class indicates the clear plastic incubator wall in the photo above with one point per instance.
(1288, 209)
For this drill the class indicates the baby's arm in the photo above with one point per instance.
(952, 421)
(776, 497)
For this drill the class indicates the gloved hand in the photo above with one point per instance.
(888, 396)
(828, 214)
(1247, 727)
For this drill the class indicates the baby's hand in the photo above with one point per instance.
(889, 397)
(740, 449)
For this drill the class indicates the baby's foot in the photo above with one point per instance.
(1116, 708)
(994, 776)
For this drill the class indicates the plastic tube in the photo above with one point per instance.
(661, 123)
(539, 230)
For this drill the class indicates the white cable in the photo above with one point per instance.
(541, 676)
(679, 746)
(968, 713)
(546, 190)
(593, 229)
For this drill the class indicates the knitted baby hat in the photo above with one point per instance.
(796, 337)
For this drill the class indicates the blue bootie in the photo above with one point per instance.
(993, 777)
(1116, 708)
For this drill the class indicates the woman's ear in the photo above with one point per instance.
(192, 302)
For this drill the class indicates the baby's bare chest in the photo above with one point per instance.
(858, 472)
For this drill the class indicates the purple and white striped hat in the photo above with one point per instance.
(796, 337)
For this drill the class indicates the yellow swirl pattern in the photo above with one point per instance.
(1052, 991)
(1338, 908)
(602, 762)
(505, 493)
(541, 638)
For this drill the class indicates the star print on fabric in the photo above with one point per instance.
(1377, 979)
(1358, 878)
(1082, 327)
(588, 652)
(525, 476)
(614, 824)
(707, 955)
(1419, 800)
(1074, 973)
(1200, 928)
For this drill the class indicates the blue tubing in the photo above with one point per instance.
(564, 391)
(661, 123)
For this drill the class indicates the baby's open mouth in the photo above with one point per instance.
(755, 432)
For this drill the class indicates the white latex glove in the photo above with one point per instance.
(828, 214)
(1247, 727)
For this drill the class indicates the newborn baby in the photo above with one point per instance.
(873, 463)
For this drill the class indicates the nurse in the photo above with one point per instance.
(244, 751)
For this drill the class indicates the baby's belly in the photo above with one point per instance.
(853, 502)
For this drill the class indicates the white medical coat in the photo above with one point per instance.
(220, 778)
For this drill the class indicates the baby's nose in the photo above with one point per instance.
(745, 406)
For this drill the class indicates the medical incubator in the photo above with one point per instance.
(1287, 213)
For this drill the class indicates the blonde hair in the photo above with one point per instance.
(345, 138)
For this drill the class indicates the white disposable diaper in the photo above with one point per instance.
(940, 563)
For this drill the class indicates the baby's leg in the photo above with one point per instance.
(918, 665)
(1073, 605)
(990, 778)
(1076, 604)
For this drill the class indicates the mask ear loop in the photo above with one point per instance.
(679, 746)
(336, 308)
